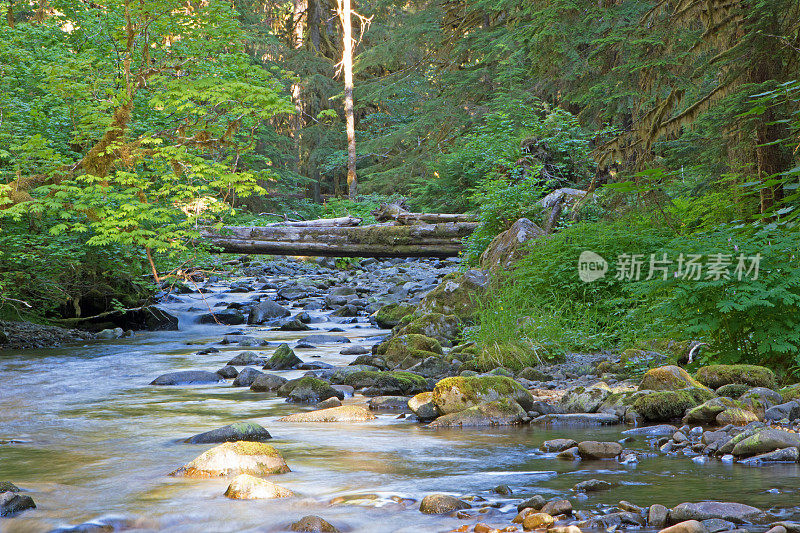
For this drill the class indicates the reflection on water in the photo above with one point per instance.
(99, 441)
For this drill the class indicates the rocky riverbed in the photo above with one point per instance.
(301, 397)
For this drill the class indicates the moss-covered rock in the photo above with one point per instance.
(404, 351)
(662, 406)
(458, 294)
(309, 389)
(733, 390)
(238, 431)
(284, 358)
(790, 393)
(736, 416)
(443, 328)
(234, 458)
(716, 376)
(390, 315)
(584, 399)
(508, 247)
(393, 383)
(455, 394)
(503, 412)
(706, 412)
(668, 378)
(422, 405)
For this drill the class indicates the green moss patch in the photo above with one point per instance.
(716, 376)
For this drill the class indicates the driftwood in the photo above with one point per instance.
(398, 213)
(377, 240)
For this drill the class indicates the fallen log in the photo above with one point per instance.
(396, 212)
(341, 221)
(377, 240)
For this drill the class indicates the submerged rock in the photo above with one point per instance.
(187, 377)
(313, 524)
(324, 339)
(233, 458)
(345, 413)
(238, 431)
(441, 504)
(247, 487)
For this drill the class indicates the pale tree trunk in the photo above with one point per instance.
(345, 13)
(297, 96)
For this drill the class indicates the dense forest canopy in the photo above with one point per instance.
(124, 123)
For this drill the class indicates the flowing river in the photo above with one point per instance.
(89, 439)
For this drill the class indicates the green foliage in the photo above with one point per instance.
(543, 303)
(752, 320)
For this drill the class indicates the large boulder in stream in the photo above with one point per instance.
(309, 389)
(187, 377)
(284, 358)
(246, 377)
(268, 382)
(504, 412)
(234, 458)
(441, 504)
(247, 487)
(238, 431)
(247, 359)
(455, 394)
(764, 441)
(738, 513)
(265, 311)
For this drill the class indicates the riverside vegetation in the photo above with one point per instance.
(662, 137)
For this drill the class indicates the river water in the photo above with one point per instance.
(92, 440)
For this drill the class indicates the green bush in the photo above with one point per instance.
(749, 320)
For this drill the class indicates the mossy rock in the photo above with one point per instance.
(405, 351)
(390, 315)
(309, 389)
(663, 406)
(668, 378)
(399, 383)
(514, 357)
(733, 390)
(503, 412)
(607, 367)
(674, 349)
(444, 328)
(706, 412)
(532, 374)
(455, 394)
(790, 393)
(715, 376)
(458, 294)
(284, 358)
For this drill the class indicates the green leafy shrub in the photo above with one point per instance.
(752, 320)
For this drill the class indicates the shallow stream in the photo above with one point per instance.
(91, 439)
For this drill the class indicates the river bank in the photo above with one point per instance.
(89, 437)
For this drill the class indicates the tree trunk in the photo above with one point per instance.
(345, 13)
(300, 7)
